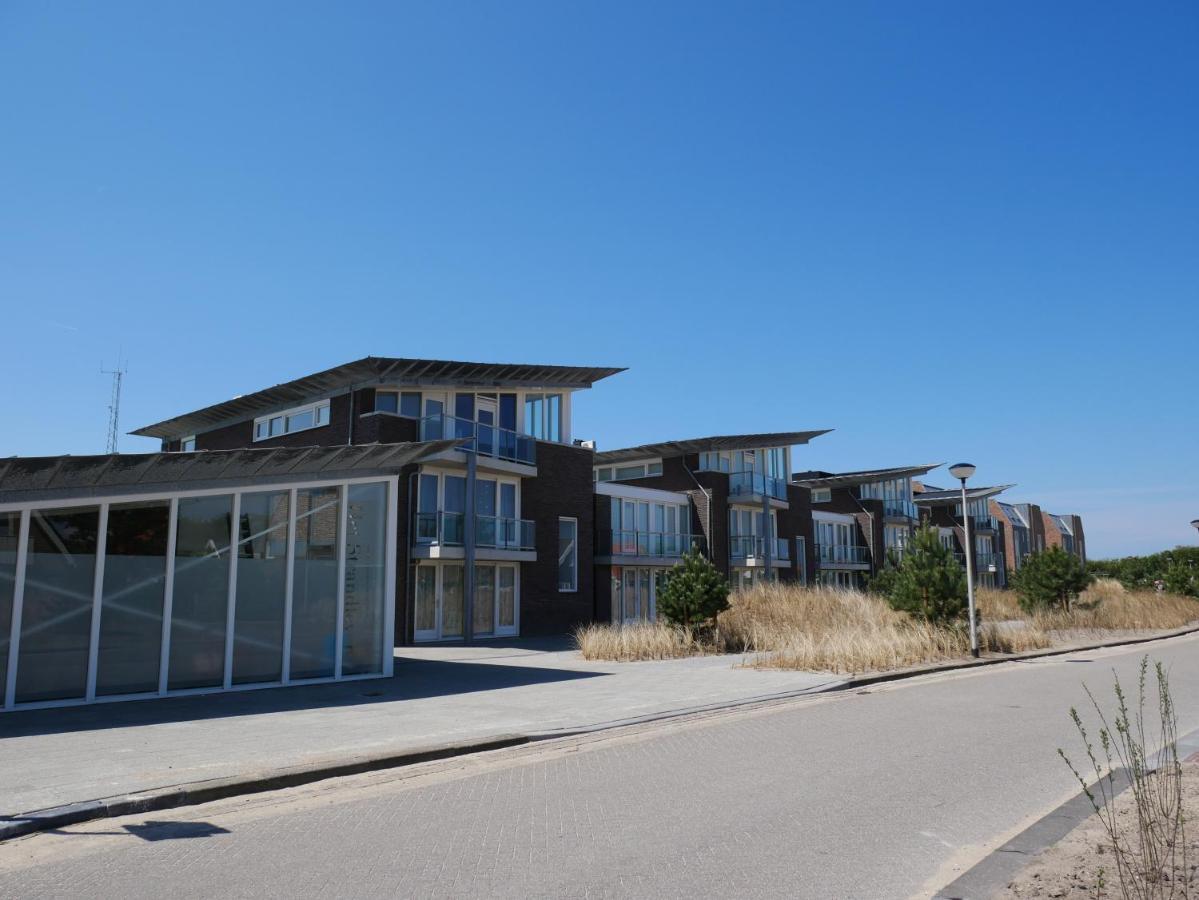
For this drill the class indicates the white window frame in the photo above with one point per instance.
(574, 550)
(287, 414)
(183, 442)
(822, 495)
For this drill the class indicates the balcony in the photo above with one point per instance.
(755, 484)
(905, 509)
(445, 529)
(983, 523)
(650, 544)
(485, 440)
(842, 555)
(989, 562)
(752, 546)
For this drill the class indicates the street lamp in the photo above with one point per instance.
(962, 471)
(1195, 524)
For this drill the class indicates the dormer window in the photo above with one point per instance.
(301, 418)
(822, 495)
(403, 403)
(188, 444)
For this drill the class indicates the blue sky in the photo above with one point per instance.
(947, 230)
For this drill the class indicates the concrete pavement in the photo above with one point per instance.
(888, 792)
(439, 695)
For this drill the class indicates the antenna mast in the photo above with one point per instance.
(114, 405)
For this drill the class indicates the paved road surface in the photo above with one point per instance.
(886, 793)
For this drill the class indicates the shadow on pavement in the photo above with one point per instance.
(413, 679)
(173, 831)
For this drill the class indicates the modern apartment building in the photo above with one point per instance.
(858, 518)
(730, 494)
(942, 509)
(1029, 529)
(496, 532)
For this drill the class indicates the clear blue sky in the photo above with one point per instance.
(947, 230)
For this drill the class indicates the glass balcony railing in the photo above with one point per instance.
(446, 529)
(743, 484)
(752, 546)
(904, 508)
(983, 523)
(989, 562)
(486, 440)
(649, 543)
(831, 554)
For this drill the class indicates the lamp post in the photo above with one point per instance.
(962, 471)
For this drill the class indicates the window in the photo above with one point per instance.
(822, 495)
(543, 416)
(188, 444)
(387, 401)
(628, 472)
(404, 403)
(299, 419)
(568, 555)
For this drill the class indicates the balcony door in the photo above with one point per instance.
(636, 593)
(440, 601)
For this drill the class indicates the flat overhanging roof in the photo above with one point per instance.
(708, 444)
(31, 478)
(867, 476)
(950, 497)
(379, 370)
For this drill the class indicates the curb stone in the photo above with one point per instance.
(997, 869)
(196, 792)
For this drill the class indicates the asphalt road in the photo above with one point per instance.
(884, 793)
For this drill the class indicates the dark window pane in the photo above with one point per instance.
(508, 411)
(56, 617)
(261, 588)
(455, 494)
(10, 525)
(387, 401)
(410, 404)
(200, 600)
(135, 571)
(314, 590)
(464, 406)
(366, 569)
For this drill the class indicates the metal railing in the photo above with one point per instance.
(486, 440)
(755, 484)
(983, 523)
(752, 546)
(648, 543)
(984, 562)
(841, 553)
(445, 529)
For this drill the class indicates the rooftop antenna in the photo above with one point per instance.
(114, 405)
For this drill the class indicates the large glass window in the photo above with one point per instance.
(568, 555)
(426, 600)
(56, 613)
(507, 604)
(366, 570)
(261, 588)
(314, 584)
(543, 416)
(483, 620)
(200, 599)
(10, 528)
(452, 600)
(135, 571)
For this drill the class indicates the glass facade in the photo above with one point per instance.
(135, 574)
(56, 612)
(133, 598)
(261, 597)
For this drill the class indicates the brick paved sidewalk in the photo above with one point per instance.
(438, 695)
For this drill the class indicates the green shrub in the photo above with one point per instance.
(929, 583)
(695, 592)
(1050, 579)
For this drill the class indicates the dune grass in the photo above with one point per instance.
(626, 643)
(838, 630)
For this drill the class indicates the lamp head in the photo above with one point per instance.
(1195, 523)
(961, 471)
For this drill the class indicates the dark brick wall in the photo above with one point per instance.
(563, 487)
(241, 434)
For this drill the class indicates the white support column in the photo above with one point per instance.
(93, 647)
(168, 596)
(231, 599)
(342, 519)
(18, 598)
(291, 566)
(389, 577)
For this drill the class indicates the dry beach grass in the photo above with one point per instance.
(838, 630)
